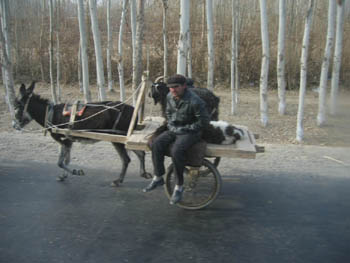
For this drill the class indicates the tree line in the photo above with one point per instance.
(117, 40)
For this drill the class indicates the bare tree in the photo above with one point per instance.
(264, 64)
(98, 50)
(109, 47)
(137, 69)
(120, 52)
(6, 63)
(321, 116)
(83, 51)
(303, 71)
(183, 37)
(53, 87)
(133, 14)
(58, 59)
(234, 57)
(281, 80)
(210, 28)
(337, 56)
(189, 55)
(165, 38)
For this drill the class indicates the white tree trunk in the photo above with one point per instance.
(337, 57)
(183, 38)
(303, 71)
(98, 50)
(210, 28)
(109, 47)
(58, 60)
(189, 55)
(133, 41)
(53, 87)
(137, 71)
(81, 89)
(281, 59)
(321, 116)
(165, 39)
(120, 52)
(264, 65)
(234, 54)
(6, 56)
(83, 50)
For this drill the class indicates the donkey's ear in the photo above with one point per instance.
(22, 90)
(31, 88)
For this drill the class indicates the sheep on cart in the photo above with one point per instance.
(202, 180)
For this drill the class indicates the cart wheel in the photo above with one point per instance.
(216, 161)
(201, 185)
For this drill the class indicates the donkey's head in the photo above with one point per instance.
(158, 92)
(22, 117)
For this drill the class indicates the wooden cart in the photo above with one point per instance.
(202, 184)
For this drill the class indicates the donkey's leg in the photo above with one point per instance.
(141, 156)
(64, 160)
(125, 162)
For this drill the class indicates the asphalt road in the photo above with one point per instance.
(262, 215)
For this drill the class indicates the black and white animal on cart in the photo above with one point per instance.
(114, 117)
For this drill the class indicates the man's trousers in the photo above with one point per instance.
(181, 143)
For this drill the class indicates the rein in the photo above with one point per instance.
(27, 103)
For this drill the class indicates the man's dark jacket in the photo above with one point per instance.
(188, 114)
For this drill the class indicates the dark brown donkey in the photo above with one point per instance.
(114, 117)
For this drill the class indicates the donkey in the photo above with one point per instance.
(100, 115)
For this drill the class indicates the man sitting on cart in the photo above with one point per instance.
(186, 117)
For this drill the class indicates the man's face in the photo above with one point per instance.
(177, 91)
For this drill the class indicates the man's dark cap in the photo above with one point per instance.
(176, 80)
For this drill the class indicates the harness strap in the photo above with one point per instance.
(118, 118)
(48, 118)
(73, 113)
(27, 103)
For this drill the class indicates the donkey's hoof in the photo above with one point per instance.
(78, 172)
(146, 175)
(61, 178)
(116, 183)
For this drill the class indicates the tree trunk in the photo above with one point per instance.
(133, 41)
(234, 57)
(321, 116)
(98, 50)
(58, 61)
(109, 47)
(210, 28)
(81, 89)
(53, 87)
(189, 55)
(83, 50)
(137, 72)
(41, 50)
(183, 38)
(281, 80)
(303, 71)
(120, 52)
(165, 39)
(337, 57)
(6, 55)
(264, 65)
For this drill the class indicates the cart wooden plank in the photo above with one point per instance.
(99, 136)
(139, 138)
